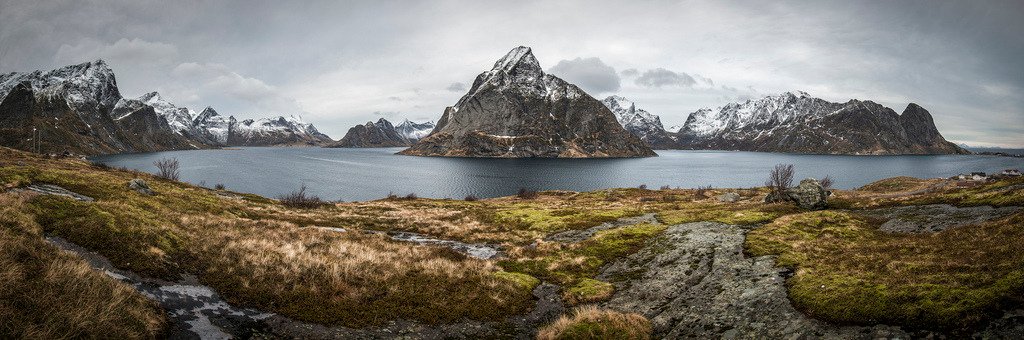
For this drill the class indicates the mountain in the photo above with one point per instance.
(72, 109)
(641, 123)
(516, 110)
(79, 109)
(799, 123)
(290, 130)
(228, 131)
(414, 131)
(381, 134)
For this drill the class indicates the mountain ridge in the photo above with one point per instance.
(79, 109)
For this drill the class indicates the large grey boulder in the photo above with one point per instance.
(140, 186)
(729, 197)
(809, 194)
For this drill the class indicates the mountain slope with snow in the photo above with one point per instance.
(516, 110)
(414, 131)
(797, 122)
(79, 109)
(641, 123)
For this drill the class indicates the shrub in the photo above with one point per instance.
(299, 199)
(472, 198)
(702, 191)
(526, 194)
(826, 182)
(642, 187)
(593, 323)
(411, 196)
(219, 186)
(666, 187)
(167, 168)
(780, 178)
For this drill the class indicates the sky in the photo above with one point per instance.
(341, 63)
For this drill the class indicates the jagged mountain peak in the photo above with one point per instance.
(517, 59)
(516, 110)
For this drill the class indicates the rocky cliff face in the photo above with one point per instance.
(641, 123)
(516, 110)
(79, 109)
(797, 122)
(381, 134)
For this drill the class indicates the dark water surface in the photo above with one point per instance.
(365, 174)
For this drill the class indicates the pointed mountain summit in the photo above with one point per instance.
(516, 110)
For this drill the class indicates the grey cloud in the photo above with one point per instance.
(660, 77)
(629, 73)
(457, 87)
(590, 74)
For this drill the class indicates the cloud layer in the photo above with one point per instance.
(590, 74)
(338, 63)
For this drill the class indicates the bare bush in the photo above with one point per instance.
(826, 182)
(411, 196)
(167, 168)
(666, 187)
(300, 199)
(780, 178)
(526, 194)
(219, 186)
(642, 187)
(702, 191)
(472, 198)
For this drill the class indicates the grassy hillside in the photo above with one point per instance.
(259, 253)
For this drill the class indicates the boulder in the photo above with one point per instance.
(809, 194)
(729, 197)
(140, 186)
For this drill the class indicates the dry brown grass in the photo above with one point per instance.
(48, 294)
(590, 322)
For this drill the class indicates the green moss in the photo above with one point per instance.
(724, 213)
(523, 280)
(553, 220)
(848, 271)
(589, 290)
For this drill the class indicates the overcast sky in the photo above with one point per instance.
(342, 63)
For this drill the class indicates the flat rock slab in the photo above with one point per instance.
(50, 189)
(934, 218)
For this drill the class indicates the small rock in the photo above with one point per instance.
(729, 197)
(140, 186)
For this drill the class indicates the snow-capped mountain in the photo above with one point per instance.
(179, 118)
(84, 113)
(516, 110)
(275, 131)
(83, 86)
(414, 131)
(798, 122)
(641, 123)
(79, 109)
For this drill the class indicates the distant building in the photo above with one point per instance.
(1011, 172)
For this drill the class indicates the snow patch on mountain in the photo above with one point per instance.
(84, 86)
(414, 131)
(638, 121)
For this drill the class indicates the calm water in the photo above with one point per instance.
(365, 174)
